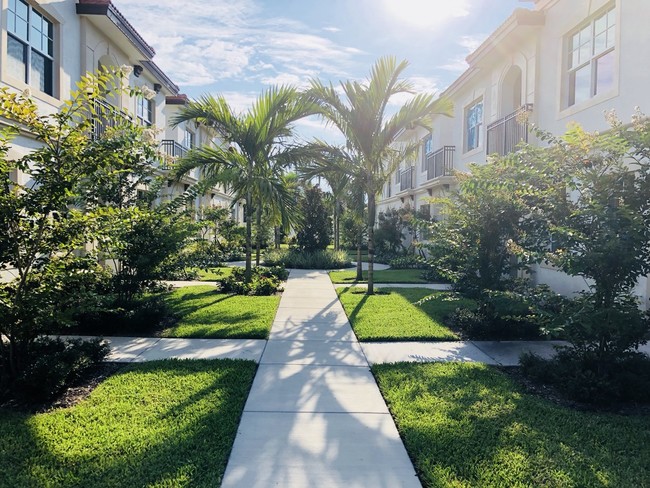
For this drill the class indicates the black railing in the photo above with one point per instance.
(406, 179)
(440, 162)
(106, 116)
(504, 134)
(171, 150)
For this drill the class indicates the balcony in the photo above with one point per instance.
(171, 151)
(106, 116)
(406, 178)
(440, 163)
(504, 134)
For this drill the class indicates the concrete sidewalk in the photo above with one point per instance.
(315, 416)
(428, 286)
(500, 353)
(140, 349)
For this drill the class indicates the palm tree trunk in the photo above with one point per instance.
(336, 225)
(371, 242)
(258, 244)
(359, 264)
(249, 236)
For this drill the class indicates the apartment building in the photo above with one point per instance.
(48, 45)
(560, 61)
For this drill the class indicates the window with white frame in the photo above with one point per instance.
(144, 110)
(427, 148)
(473, 125)
(592, 58)
(30, 46)
(188, 139)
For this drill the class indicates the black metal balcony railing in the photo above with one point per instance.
(171, 150)
(504, 134)
(406, 179)
(440, 162)
(106, 116)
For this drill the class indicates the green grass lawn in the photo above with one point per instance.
(164, 423)
(203, 312)
(467, 425)
(394, 317)
(381, 276)
(214, 274)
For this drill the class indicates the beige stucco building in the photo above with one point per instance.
(561, 61)
(48, 45)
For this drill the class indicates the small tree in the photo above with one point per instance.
(600, 224)
(486, 226)
(314, 233)
(139, 242)
(389, 234)
(48, 220)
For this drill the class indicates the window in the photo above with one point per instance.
(427, 149)
(188, 139)
(591, 58)
(473, 123)
(30, 46)
(144, 110)
(428, 144)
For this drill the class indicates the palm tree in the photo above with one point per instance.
(338, 182)
(370, 132)
(254, 151)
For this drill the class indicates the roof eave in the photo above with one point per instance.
(155, 70)
(107, 9)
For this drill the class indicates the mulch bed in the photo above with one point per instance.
(74, 394)
(551, 394)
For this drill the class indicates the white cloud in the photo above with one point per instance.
(314, 127)
(471, 42)
(469, 45)
(421, 84)
(331, 29)
(426, 14)
(286, 79)
(240, 101)
(205, 41)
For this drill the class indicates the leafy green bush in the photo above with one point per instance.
(138, 316)
(314, 232)
(604, 333)
(409, 261)
(54, 364)
(140, 242)
(264, 281)
(297, 259)
(502, 315)
(601, 364)
(627, 379)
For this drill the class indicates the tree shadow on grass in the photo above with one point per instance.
(217, 315)
(166, 423)
(470, 425)
(189, 302)
(397, 317)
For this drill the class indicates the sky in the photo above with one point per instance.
(239, 48)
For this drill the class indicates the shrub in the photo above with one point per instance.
(314, 232)
(625, 380)
(500, 315)
(140, 315)
(297, 259)
(408, 261)
(54, 364)
(264, 281)
(601, 364)
(141, 242)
